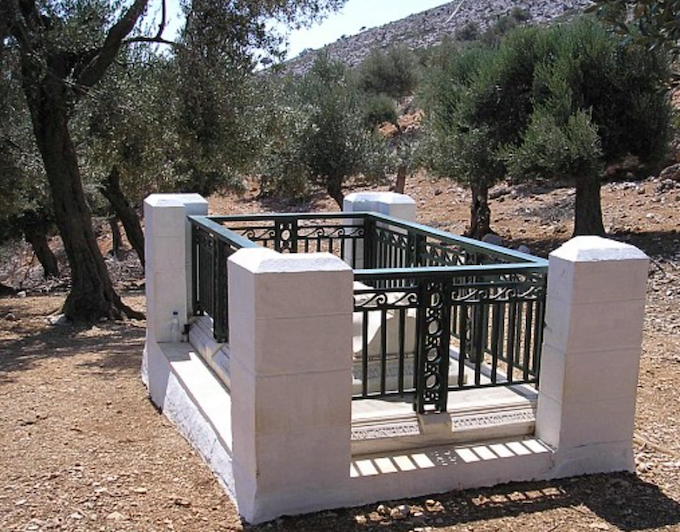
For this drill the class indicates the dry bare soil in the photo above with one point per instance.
(82, 448)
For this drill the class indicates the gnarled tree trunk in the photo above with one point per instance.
(116, 238)
(92, 295)
(400, 183)
(588, 215)
(127, 215)
(480, 213)
(35, 229)
(334, 189)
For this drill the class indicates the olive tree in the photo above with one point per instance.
(324, 135)
(63, 51)
(557, 102)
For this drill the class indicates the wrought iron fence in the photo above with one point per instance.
(433, 312)
(428, 331)
(211, 246)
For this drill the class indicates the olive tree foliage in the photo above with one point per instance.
(649, 23)
(25, 208)
(477, 102)
(548, 103)
(322, 134)
(393, 72)
(62, 51)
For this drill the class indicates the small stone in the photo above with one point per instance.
(20, 502)
(75, 515)
(140, 490)
(22, 294)
(438, 192)
(493, 239)
(10, 317)
(360, 519)
(179, 501)
(382, 509)
(59, 320)
(116, 516)
(598, 526)
(400, 512)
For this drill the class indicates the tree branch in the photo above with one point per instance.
(95, 70)
(157, 40)
(161, 27)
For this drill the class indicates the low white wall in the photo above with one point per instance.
(281, 441)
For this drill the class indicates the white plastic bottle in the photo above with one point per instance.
(175, 331)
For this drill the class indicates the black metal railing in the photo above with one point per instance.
(433, 312)
(439, 330)
(211, 246)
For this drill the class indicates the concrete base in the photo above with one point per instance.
(195, 400)
(198, 403)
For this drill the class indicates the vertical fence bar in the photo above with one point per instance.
(195, 300)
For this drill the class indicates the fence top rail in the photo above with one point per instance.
(539, 266)
(468, 244)
(222, 233)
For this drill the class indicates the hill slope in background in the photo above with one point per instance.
(430, 27)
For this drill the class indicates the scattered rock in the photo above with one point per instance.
(10, 317)
(493, 239)
(672, 172)
(59, 320)
(179, 501)
(382, 509)
(21, 294)
(400, 512)
(140, 490)
(360, 519)
(116, 516)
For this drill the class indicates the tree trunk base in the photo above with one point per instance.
(588, 212)
(480, 213)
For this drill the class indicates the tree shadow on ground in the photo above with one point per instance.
(113, 346)
(314, 202)
(619, 499)
(659, 245)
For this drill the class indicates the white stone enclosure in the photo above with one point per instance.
(273, 417)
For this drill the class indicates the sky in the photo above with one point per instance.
(347, 21)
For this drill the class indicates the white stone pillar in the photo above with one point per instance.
(591, 353)
(167, 241)
(392, 204)
(290, 329)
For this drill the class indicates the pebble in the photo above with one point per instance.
(116, 516)
(400, 512)
(10, 317)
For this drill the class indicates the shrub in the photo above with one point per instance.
(378, 109)
(394, 73)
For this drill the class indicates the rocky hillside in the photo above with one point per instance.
(430, 27)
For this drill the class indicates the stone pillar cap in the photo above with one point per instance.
(382, 197)
(597, 249)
